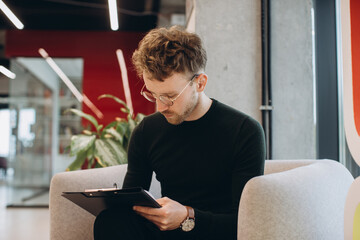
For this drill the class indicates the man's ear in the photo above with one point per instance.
(201, 82)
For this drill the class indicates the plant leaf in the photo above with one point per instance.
(125, 110)
(118, 100)
(81, 143)
(139, 118)
(119, 151)
(90, 163)
(90, 153)
(122, 128)
(105, 153)
(78, 162)
(99, 162)
(99, 127)
(109, 152)
(97, 165)
(110, 125)
(84, 115)
(115, 134)
(132, 124)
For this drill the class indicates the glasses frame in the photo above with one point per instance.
(161, 97)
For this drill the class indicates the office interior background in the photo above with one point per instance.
(277, 61)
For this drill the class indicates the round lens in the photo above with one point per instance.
(166, 100)
(149, 96)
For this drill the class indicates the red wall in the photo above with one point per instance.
(101, 69)
(355, 51)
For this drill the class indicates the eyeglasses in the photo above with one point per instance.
(165, 99)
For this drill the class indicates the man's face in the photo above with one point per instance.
(183, 106)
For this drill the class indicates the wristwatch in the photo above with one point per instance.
(189, 223)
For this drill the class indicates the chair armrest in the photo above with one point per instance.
(306, 202)
(67, 220)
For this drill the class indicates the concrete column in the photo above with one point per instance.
(231, 32)
(292, 76)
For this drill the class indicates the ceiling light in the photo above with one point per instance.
(7, 72)
(11, 15)
(80, 97)
(114, 22)
(125, 80)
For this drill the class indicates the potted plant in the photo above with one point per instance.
(103, 146)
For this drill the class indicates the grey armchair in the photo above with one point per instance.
(295, 199)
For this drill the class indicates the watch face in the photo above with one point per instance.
(188, 225)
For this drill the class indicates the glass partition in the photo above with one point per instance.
(39, 131)
(30, 143)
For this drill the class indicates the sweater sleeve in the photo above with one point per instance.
(139, 171)
(248, 162)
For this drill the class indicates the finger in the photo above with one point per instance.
(152, 218)
(146, 210)
(163, 201)
(159, 222)
(150, 215)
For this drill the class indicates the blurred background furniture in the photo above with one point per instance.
(3, 165)
(295, 199)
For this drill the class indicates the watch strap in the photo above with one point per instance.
(189, 223)
(191, 212)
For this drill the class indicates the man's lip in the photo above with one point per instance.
(167, 115)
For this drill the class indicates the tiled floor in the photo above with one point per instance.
(22, 223)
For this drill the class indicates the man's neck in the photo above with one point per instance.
(201, 108)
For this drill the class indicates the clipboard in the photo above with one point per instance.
(96, 200)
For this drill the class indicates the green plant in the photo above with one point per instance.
(103, 146)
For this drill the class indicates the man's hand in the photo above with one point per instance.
(168, 217)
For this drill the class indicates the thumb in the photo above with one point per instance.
(163, 201)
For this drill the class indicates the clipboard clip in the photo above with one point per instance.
(115, 187)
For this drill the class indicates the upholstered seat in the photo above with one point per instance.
(295, 199)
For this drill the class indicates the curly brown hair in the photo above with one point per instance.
(163, 52)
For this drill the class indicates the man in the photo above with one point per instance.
(202, 151)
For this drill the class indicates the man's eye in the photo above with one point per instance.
(167, 96)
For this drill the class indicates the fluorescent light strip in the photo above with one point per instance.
(125, 80)
(61, 74)
(114, 22)
(7, 72)
(11, 15)
(80, 97)
(93, 108)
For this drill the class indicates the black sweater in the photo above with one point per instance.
(204, 164)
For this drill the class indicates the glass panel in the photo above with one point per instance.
(37, 101)
(30, 144)
(69, 124)
(4, 132)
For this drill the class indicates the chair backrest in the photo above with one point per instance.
(271, 166)
(295, 199)
(155, 187)
(275, 166)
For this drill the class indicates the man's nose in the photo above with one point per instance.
(160, 107)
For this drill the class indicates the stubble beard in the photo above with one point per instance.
(177, 119)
